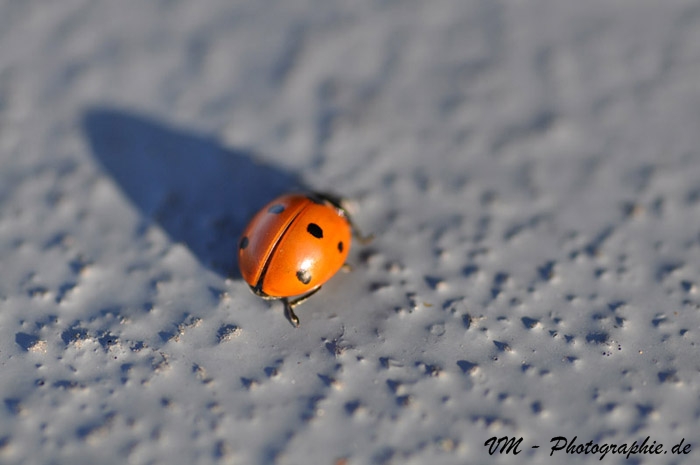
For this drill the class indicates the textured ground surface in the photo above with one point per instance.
(531, 170)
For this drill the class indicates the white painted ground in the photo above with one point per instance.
(531, 171)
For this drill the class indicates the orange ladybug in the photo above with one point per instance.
(293, 246)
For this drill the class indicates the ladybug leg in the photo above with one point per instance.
(289, 306)
(364, 240)
(337, 202)
(289, 313)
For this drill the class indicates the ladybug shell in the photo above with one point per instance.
(293, 245)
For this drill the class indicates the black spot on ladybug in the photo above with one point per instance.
(304, 276)
(276, 208)
(315, 230)
(244, 242)
(340, 246)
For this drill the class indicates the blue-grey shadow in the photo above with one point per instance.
(201, 193)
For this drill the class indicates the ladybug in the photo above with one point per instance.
(294, 245)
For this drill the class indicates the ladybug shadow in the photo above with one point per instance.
(200, 193)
